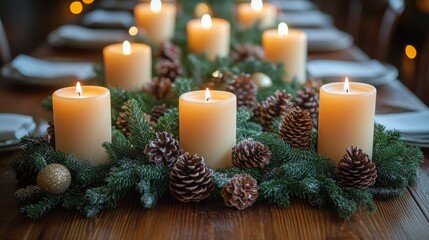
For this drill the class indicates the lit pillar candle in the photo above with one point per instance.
(346, 117)
(208, 126)
(156, 19)
(82, 121)
(287, 46)
(128, 66)
(250, 13)
(209, 35)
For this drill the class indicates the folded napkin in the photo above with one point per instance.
(411, 124)
(312, 18)
(15, 126)
(108, 18)
(335, 68)
(327, 39)
(77, 36)
(37, 68)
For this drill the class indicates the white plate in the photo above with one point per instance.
(331, 39)
(306, 19)
(108, 19)
(294, 5)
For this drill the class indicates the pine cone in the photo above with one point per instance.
(28, 194)
(121, 121)
(244, 89)
(157, 112)
(50, 135)
(170, 51)
(278, 105)
(160, 87)
(169, 69)
(190, 179)
(164, 149)
(313, 83)
(250, 154)
(308, 98)
(296, 129)
(243, 52)
(356, 169)
(241, 192)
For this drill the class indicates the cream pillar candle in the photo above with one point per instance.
(346, 117)
(208, 126)
(250, 13)
(288, 47)
(210, 36)
(82, 121)
(128, 66)
(156, 19)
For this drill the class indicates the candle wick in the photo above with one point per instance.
(347, 90)
(78, 93)
(208, 99)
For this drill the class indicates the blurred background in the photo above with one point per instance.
(394, 31)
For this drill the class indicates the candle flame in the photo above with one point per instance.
(78, 89)
(256, 5)
(283, 29)
(346, 85)
(126, 48)
(155, 6)
(206, 21)
(208, 95)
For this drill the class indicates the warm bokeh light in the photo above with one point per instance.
(346, 85)
(202, 9)
(126, 48)
(78, 89)
(423, 5)
(155, 6)
(76, 7)
(283, 29)
(133, 31)
(410, 51)
(208, 95)
(256, 5)
(206, 21)
(87, 1)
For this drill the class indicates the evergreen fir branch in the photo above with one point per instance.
(181, 85)
(121, 147)
(169, 123)
(141, 132)
(361, 197)
(153, 184)
(47, 103)
(276, 192)
(37, 210)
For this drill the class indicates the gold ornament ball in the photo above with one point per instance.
(54, 179)
(262, 80)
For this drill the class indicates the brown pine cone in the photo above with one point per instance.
(157, 112)
(308, 98)
(190, 179)
(50, 135)
(278, 105)
(243, 52)
(28, 194)
(169, 69)
(244, 89)
(241, 192)
(121, 121)
(296, 129)
(250, 154)
(164, 149)
(313, 83)
(170, 51)
(160, 87)
(356, 169)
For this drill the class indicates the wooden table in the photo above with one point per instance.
(406, 217)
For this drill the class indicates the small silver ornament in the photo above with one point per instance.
(262, 80)
(54, 179)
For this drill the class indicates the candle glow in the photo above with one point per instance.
(346, 85)
(206, 21)
(78, 89)
(155, 6)
(208, 96)
(283, 29)
(256, 5)
(126, 48)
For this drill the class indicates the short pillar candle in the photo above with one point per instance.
(346, 118)
(256, 11)
(82, 122)
(208, 126)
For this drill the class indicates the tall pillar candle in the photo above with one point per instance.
(128, 65)
(287, 46)
(208, 126)
(346, 117)
(156, 19)
(209, 35)
(82, 122)
(256, 11)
